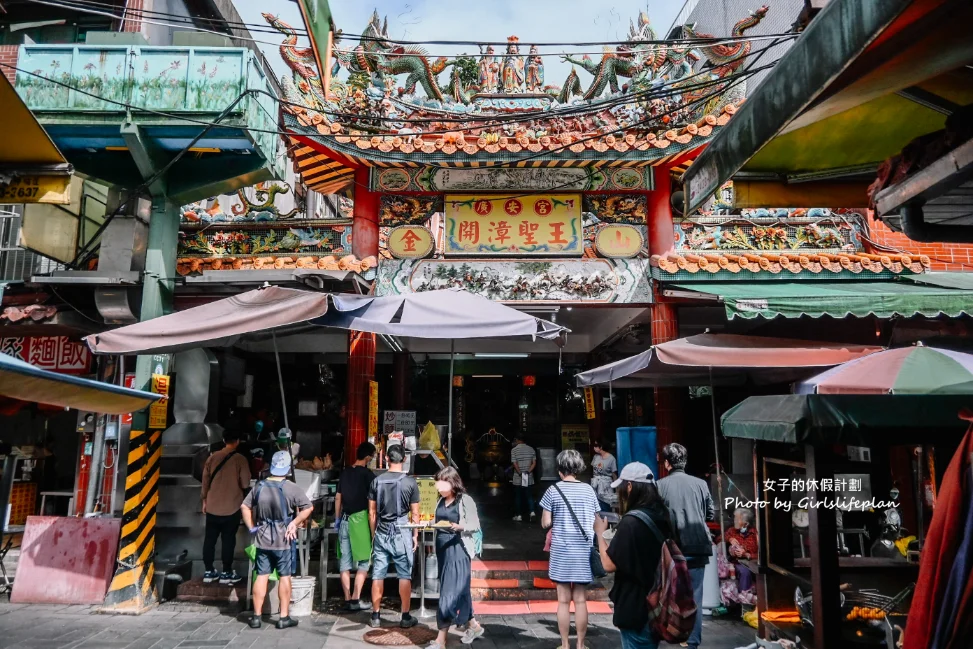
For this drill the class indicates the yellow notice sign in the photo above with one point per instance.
(574, 436)
(428, 497)
(372, 408)
(37, 189)
(159, 409)
(589, 403)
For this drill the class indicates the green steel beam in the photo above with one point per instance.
(836, 37)
(148, 159)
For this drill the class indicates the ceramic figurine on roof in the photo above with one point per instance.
(489, 77)
(535, 71)
(512, 72)
(392, 103)
(626, 60)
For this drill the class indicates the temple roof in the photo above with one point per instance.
(646, 101)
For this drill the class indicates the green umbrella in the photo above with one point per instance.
(908, 370)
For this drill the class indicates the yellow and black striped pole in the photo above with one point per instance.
(132, 588)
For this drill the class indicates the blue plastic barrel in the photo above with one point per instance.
(636, 444)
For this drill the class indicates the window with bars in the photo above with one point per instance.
(16, 263)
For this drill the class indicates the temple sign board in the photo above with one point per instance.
(540, 224)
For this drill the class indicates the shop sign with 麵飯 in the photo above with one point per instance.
(542, 224)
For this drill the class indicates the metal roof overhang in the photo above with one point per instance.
(27, 150)
(865, 78)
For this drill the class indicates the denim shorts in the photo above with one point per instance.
(280, 560)
(346, 563)
(390, 548)
(638, 639)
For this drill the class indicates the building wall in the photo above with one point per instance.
(717, 17)
(8, 55)
(943, 256)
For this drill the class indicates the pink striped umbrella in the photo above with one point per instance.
(908, 370)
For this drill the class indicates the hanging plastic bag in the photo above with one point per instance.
(429, 439)
(251, 552)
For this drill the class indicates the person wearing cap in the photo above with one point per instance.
(690, 506)
(393, 503)
(272, 512)
(634, 552)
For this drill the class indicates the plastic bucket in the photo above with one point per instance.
(302, 596)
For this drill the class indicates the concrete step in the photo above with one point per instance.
(482, 609)
(594, 594)
(196, 591)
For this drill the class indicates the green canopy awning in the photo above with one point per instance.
(846, 418)
(943, 280)
(836, 299)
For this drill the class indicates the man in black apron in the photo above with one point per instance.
(393, 500)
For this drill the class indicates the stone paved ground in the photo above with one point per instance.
(190, 626)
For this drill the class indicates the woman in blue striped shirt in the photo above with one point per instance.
(570, 564)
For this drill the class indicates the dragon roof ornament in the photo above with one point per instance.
(498, 101)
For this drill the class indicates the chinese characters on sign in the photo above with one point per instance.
(515, 225)
(57, 354)
(372, 408)
(410, 242)
(619, 241)
(574, 436)
(158, 410)
(399, 420)
(589, 403)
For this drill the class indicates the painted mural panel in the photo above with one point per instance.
(541, 224)
(434, 179)
(523, 280)
(397, 209)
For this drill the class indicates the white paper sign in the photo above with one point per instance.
(404, 420)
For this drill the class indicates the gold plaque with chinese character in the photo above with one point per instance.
(539, 224)
(410, 242)
(619, 241)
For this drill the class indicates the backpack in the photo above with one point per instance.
(672, 609)
(285, 510)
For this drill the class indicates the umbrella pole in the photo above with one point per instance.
(283, 402)
(449, 426)
(719, 466)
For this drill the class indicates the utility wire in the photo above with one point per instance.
(147, 22)
(179, 17)
(583, 109)
(516, 161)
(691, 42)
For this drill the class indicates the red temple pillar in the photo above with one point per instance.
(364, 235)
(661, 236)
(361, 370)
(668, 401)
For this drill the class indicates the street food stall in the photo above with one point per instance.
(821, 544)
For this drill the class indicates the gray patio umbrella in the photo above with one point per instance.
(448, 313)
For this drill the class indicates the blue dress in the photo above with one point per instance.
(455, 599)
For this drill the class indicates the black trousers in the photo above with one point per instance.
(217, 526)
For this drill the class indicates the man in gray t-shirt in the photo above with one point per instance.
(272, 512)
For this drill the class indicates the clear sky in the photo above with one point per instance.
(486, 20)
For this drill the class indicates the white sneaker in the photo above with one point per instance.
(518, 518)
(533, 515)
(472, 634)
(434, 645)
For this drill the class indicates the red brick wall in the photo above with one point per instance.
(8, 56)
(943, 256)
(133, 9)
